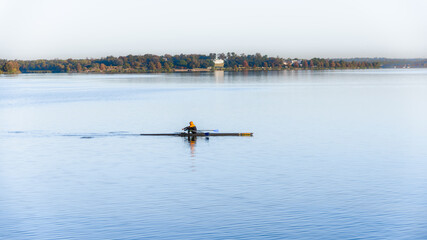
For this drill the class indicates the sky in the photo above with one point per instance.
(46, 29)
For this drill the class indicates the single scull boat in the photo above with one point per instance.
(199, 134)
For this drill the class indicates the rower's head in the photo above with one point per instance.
(191, 124)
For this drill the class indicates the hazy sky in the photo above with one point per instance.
(32, 29)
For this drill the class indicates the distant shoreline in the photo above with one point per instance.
(197, 71)
(187, 71)
(200, 71)
(229, 62)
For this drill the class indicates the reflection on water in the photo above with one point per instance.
(219, 76)
(192, 142)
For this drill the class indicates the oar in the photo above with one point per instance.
(215, 130)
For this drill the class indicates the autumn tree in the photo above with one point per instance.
(305, 64)
(167, 67)
(265, 65)
(79, 67)
(326, 64)
(151, 66)
(158, 65)
(11, 67)
(245, 64)
(295, 64)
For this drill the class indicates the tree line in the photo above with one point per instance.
(169, 63)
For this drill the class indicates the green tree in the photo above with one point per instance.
(183, 63)
(167, 67)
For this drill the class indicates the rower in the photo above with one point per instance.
(192, 128)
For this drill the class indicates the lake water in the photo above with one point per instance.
(335, 155)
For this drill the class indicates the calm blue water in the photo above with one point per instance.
(335, 155)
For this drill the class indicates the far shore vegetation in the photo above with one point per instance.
(149, 63)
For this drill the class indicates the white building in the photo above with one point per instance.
(219, 63)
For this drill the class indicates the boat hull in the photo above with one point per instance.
(204, 134)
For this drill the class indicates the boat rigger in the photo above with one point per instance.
(198, 134)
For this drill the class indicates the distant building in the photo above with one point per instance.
(219, 63)
(293, 62)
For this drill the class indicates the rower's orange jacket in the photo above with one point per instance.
(191, 128)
